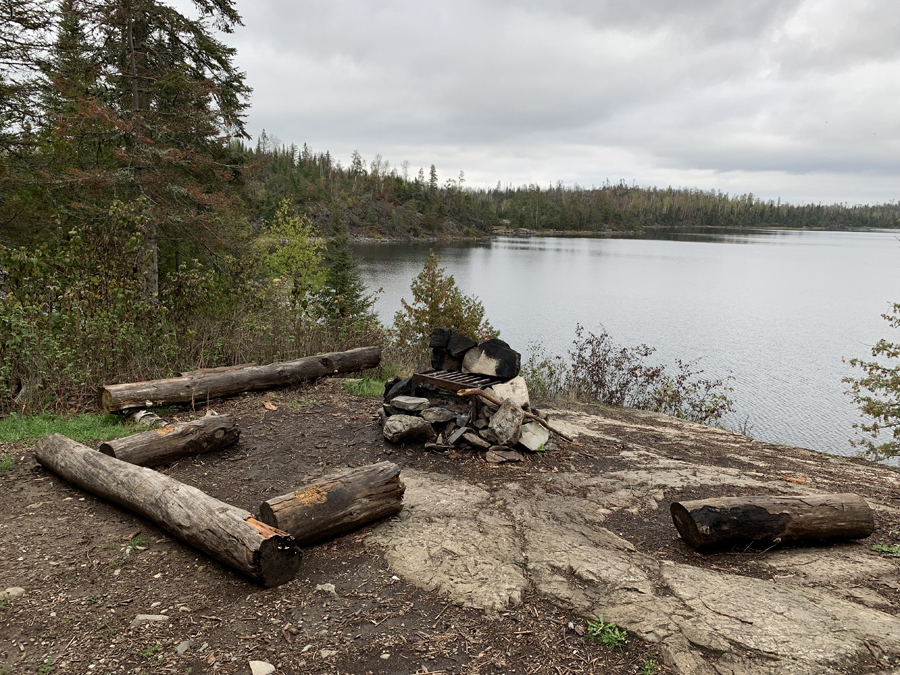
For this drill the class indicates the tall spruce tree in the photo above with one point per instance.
(344, 295)
(154, 119)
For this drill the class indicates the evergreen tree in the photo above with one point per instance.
(344, 295)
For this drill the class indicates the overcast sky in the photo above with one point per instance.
(797, 99)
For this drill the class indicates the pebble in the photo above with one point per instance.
(385, 656)
(183, 647)
(325, 653)
(327, 588)
(261, 668)
(141, 619)
(12, 592)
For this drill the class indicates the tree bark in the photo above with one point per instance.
(337, 503)
(174, 441)
(220, 369)
(767, 521)
(229, 534)
(206, 385)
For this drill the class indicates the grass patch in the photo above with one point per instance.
(364, 387)
(83, 429)
(7, 462)
(148, 652)
(608, 633)
(887, 551)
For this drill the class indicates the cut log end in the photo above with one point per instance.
(278, 557)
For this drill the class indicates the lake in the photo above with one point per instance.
(777, 310)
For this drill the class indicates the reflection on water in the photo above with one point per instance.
(776, 309)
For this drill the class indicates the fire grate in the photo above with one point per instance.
(451, 379)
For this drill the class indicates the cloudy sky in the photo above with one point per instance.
(796, 99)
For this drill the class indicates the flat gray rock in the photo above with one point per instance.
(476, 440)
(410, 403)
(407, 429)
(141, 619)
(438, 415)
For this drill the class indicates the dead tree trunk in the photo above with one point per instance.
(337, 503)
(766, 521)
(200, 387)
(229, 534)
(173, 441)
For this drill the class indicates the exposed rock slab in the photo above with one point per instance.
(407, 429)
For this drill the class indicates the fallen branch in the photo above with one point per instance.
(224, 532)
(496, 401)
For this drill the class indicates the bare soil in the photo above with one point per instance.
(89, 567)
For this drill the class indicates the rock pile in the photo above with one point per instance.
(500, 431)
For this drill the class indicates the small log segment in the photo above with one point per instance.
(174, 441)
(229, 534)
(707, 524)
(499, 402)
(337, 503)
(201, 386)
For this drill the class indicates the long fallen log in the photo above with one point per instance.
(707, 524)
(499, 402)
(174, 441)
(224, 532)
(337, 503)
(203, 385)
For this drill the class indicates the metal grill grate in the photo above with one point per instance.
(451, 379)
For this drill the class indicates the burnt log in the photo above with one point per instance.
(224, 532)
(174, 441)
(200, 387)
(439, 338)
(337, 503)
(707, 524)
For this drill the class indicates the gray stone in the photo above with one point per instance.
(516, 390)
(458, 434)
(462, 420)
(499, 454)
(261, 668)
(437, 447)
(183, 647)
(505, 424)
(141, 619)
(480, 423)
(397, 388)
(476, 440)
(407, 429)
(327, 589)
(494, 358)
(12, 592)
(410, 403)
(533, 436)
(438, 415)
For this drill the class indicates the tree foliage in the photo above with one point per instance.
(344, 296)
(877, 393)
(437, 302)
(295, 258)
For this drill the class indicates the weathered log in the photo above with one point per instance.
(200, 387)
(498, 402)
(218, 369)
(229, 534)
(337, 503)
(707, 524)
(174, 441)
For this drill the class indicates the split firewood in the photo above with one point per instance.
(174, 441)
(337, 503)
(201, 386)
(499, 402)
(767, 521)
(229, 534)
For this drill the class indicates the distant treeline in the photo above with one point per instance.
(381, 200)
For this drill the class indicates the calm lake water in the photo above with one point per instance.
(776, 309)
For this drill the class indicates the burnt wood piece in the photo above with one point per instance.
(174, 441)
(499, 402)
(199, 388)
(451, 379)
(229, 534)
(337, 503)
(441, 359)
(707, 524)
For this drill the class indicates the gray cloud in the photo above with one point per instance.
(782, 98)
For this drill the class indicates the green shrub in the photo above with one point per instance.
(438, 303)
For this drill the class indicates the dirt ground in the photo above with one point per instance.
(89, 568)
